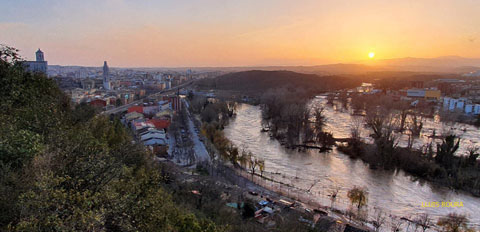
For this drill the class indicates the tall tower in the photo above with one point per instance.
(39, 55)
(106, 78)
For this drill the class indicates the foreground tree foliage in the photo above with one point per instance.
(65, 169)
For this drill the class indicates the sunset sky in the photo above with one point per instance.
(148, 33)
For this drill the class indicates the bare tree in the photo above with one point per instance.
(343, 98)
(404, 109)
(319, 118)
(423, 220)
(396, 224)
(378, 219)
(410, 141)
(333, 195)
(357, 104)
(253, 163)
(382, 121)
(416, 123)
(356, 128)
(330, 98)
(261, 166)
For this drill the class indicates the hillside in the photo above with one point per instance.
(258, 81)
(64, 169)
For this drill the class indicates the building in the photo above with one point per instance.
(98, 103)
(159, 124)
(39, 65)
(433, 94)
(461, 104)
(476, 109)
(138, 109)
(428, 94)
(469, 108)
(106, 76)
(168, 84)
(416, 93)
(174, 101)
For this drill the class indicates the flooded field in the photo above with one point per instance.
(393, 192)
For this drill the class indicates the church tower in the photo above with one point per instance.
(39, 55)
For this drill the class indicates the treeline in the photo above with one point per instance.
(437, 161)
(64, 169)
(256, 82)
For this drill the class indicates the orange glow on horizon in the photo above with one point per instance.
(245, 33)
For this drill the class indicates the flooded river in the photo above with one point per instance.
(393, 192)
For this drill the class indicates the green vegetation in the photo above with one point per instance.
(65, 169)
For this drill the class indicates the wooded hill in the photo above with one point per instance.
(256, 81)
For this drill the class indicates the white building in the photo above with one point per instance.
(469, 108)
(476, 109)
(446, 102)
(462, 104)
(452, 104)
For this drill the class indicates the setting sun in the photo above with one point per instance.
(371, 55)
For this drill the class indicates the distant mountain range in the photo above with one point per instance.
(444, 64)
(440, 64)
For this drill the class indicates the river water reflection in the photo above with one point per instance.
(394, 192)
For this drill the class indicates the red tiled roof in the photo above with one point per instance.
(98, 102)
(159, 123)
(138, 109)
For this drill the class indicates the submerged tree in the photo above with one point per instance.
(358, 197)
(333, 193)
(446, 151)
